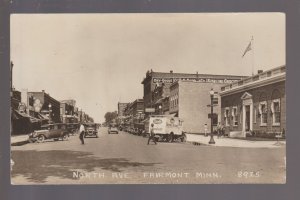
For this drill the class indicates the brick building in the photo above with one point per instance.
(134, 113)
(160, 97)
(155, 79)
(41, 103)
(121, 108)
(255, 106)
(189, 100)
(21, 121)
(67, 111)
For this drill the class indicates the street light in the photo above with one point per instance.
(50, 106)
(159, 107)
(211, 93)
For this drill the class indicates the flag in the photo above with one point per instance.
(248, 48)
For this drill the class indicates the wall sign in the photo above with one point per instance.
(202, 80)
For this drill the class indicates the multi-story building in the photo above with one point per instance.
(160, 97)
(134, 112)
(21, 121)
(190, 100)
(45, 104)
(67, 111)
(255, 106)
(121, 108)
(153, 79)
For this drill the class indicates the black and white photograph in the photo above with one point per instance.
(148, 98)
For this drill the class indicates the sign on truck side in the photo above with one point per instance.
(166, 127)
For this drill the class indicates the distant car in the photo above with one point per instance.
(91, 130)
(49, 131)
(72, 128)
(113, 129)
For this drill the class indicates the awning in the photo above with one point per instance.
(159, 101)
(19, 115)
(42, 117)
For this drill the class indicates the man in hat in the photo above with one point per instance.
(81, 133)
(151, 137)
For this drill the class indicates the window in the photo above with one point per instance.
(263, 113)
(226, 116)
(234, 116)
(254, 119)
(275, 109)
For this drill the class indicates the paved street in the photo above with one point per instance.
(126, 158)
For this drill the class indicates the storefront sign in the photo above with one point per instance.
(37, 105)
(150, 110)
(202, 80)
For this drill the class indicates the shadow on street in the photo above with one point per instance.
(38, 165)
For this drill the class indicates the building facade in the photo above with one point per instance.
(255, 106)
(160, 97)
(153, 79)
(21, 121)
(45, 104)
(67, 111)
(190, 100)
(121, 108)
(134, 113)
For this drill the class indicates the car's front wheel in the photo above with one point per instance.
(41, 138)
(65, 137)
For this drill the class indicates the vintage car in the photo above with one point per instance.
(72, 128)
(113, 129)
(49, 131)
(90, 130)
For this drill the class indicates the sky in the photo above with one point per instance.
(101, 59)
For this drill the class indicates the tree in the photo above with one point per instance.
(110, 116)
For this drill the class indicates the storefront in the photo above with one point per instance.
(255, 106)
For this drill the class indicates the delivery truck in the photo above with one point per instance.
(166, 128)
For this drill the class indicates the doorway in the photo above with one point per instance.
(247, 121)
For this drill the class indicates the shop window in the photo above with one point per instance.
(226, 116)
(275, 109)
(234, 116)
(263, 113)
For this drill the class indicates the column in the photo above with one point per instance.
(244, 119)
(251, 116)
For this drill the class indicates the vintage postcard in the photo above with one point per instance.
(157, 98)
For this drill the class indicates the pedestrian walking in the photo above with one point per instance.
(219, 129)
(205, 130)
(152, 135)
(81, 133)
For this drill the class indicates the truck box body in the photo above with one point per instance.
(164, 124)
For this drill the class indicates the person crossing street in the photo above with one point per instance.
(152, 135)
(81, 133)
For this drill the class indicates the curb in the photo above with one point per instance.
(20, 143)
(198, 143)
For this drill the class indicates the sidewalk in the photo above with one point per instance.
(229, 142)
(16, 140)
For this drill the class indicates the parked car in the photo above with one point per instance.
(72, 128)
(113, 129)
(49, 131)
(91, 130)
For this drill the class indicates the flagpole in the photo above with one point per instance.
(252, 47)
